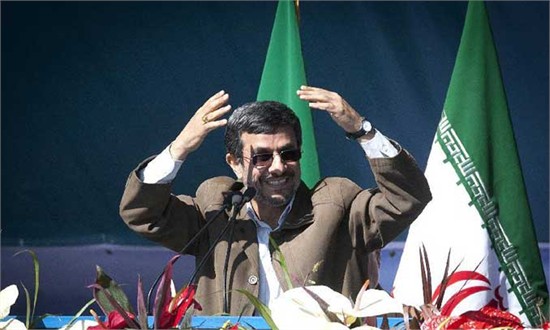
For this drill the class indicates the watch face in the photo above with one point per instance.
(367, 126)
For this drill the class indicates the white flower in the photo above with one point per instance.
(298, 309)
(12, 324)
(371, 302)
(80, 325)
(8, 296)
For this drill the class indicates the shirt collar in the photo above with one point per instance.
(260, 223)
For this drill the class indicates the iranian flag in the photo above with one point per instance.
(479, 215)
(283, 75)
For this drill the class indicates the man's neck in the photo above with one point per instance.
(268, 214)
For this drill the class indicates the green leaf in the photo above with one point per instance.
(117, 307)
(280, 258)
(111, 286)
(28, 302)
(36, 265)
(77, 315)
(142, 310)
(261, 308)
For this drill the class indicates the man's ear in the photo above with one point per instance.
(235, 164)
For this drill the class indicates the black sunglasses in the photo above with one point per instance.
(290, 155)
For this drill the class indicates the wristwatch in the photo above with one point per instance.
(365, 128)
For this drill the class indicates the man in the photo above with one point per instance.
(326, 234)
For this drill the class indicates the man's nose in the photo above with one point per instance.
(277, 165)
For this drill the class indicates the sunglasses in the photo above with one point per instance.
(290, 155)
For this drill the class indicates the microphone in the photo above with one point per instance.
(236, 186)
(236, 200)
(230, 195)
(228, 203)
(248, 194)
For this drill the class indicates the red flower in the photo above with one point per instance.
(487, 317)
(114, 321)
(173, 312)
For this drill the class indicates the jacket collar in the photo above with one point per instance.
(301, 213)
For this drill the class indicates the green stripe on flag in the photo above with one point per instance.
(477, 111)
(283, 75)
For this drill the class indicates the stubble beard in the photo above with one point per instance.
(281, 200)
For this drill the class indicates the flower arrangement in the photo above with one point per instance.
(169, 308)
(308, 306)
(319, 307)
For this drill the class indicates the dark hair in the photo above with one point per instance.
(263, 117)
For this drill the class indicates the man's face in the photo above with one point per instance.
(274, 179)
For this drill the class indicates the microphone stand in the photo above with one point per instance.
(182, 251)
(235, 209)
(230, 223)
(228, 203)
(238, 202)
(237, 205)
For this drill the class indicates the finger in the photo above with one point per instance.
(212, 125)
(215, 96)
(216, 114)
(216, 101)
(318, 94)
(315, 97)
(326, 106)
(306, 88)
(310, 90)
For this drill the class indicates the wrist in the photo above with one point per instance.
(365, 131)
(369, 136)
(177, 153)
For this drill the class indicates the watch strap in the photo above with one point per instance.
(361, 132)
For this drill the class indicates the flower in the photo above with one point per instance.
(169, 308)
(320, 307)
(8, 297)
(173, 312)
(433, 314)
(12, 324)
(486, 317)
(114, 321)
(79, 325)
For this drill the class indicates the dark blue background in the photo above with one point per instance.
(91, 88)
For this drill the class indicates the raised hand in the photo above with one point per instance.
(206, 119)
(339, 110)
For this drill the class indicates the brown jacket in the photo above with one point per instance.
(335, 223)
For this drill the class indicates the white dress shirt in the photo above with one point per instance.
(163, 169)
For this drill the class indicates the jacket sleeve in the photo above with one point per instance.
(153, 212)
(381, 214)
